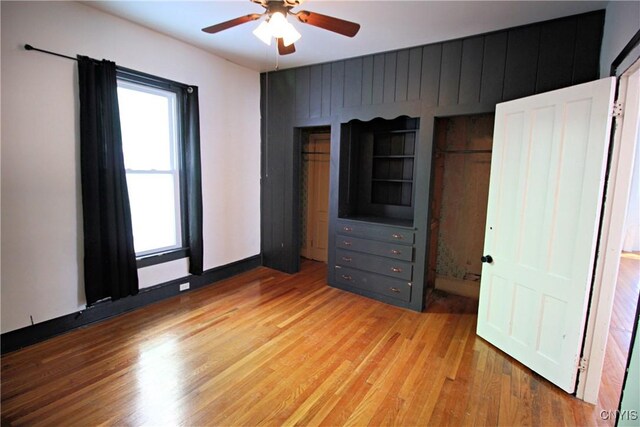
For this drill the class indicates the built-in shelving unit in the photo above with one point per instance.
(374, 252)
(377, 170)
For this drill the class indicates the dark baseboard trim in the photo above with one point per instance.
(14, 340)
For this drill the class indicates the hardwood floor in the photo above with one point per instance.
(620, 330)
(271, 349)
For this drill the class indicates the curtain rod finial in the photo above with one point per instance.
(28, 47)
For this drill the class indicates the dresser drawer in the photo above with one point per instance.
(377, 232)
(387, 266)
(374, 247)
(394, 288)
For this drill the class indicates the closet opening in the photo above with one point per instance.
(458, 207)
(314, 193)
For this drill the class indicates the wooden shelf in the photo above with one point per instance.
(395, 156)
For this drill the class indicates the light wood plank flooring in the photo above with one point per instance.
(266, 348)
(620, 330)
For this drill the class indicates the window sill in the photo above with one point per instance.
(159, 258)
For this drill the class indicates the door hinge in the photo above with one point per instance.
(618, 109)
(582, 364)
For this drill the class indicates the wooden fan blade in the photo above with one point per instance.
(231, 23)
(285, 50)
(340, 26)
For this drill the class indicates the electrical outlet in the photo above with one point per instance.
(184, 287)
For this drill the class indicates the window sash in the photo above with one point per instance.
(177, 195)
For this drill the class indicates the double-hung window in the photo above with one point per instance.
(152, 123)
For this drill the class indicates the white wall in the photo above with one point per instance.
(41, 230)
(621, 23)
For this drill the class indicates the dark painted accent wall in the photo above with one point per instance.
(466, 76)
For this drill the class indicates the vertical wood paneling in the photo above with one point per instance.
(415, 71)
(555, 67)
(378, 78)
(326, 90)
(430, 82)
(495, 53)
(266, 196)
(367, 80)
(278, 116)
(450, 72)
(353, 82)
(389, 91)
(471, 70)
(285, 163)
(402, 76)
(522, 62)
(337, 86)
(315, 91)
(586, 62)
(507, 65)
(274, 151)
(302, 92)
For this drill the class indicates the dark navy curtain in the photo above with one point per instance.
(194, 181)
(109, 256)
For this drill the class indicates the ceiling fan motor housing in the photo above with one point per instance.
(288, 3)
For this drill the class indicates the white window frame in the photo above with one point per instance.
(175, 170)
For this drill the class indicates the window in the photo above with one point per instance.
(152, 123)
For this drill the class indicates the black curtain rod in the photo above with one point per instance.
(120, 69)
(29, 47)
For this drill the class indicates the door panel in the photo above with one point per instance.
(547, 174)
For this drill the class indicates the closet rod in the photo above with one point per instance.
(463, 151)
(29, 47)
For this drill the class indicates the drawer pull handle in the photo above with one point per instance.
(347, 229)
(346, 243)
(396, 290)
(396, 269)
(397, 236)
(346, 277)
(396, 252)
(346, 258)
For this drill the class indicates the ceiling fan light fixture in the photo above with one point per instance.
(291, 35)
(263, 32)
(278, 25)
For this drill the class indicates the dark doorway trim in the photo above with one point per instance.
(624, 53)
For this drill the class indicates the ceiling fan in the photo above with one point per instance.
(276, 25)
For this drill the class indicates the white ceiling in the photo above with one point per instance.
(385, 25)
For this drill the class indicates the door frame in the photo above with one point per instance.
(308, 214)
(621, 158)
(301, 134)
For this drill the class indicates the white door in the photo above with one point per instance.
(545, 196)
